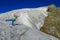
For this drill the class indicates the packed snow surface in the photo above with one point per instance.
(29, 21)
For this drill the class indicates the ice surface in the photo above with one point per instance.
(29, 22)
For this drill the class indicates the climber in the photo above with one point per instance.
(13, 20)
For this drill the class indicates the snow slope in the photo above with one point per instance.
(29, 19)
(36, 14)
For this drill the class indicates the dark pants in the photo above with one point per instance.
(12, 21)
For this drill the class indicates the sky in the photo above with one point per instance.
(8, 5)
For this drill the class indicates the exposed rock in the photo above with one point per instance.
(52, 22)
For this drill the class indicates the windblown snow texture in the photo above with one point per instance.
(29, 20)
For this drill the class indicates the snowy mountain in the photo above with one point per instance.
(32, 13)
(29, 19)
